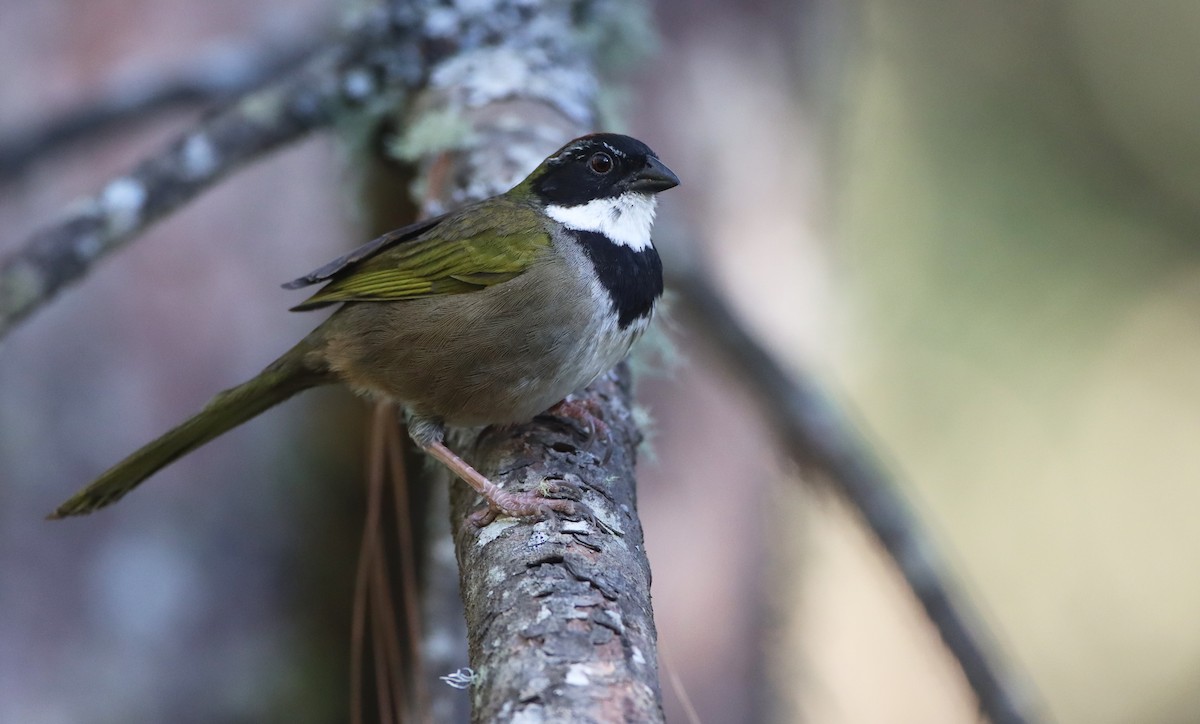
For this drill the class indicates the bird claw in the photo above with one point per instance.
(586, 416)
(537, 505)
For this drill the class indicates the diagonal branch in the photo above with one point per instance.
(216, 77)
(813, 431)
(348, 74)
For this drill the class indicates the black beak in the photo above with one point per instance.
(654, 177)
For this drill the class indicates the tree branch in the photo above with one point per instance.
(215, 77)
(558, 612)
(373, 59)
(817, 436)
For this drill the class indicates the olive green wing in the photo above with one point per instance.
(371, 248)
(462, 253)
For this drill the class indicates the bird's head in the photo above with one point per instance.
(603, 182)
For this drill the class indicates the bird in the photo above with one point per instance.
(484, 316)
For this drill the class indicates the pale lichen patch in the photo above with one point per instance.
(576, 526)
(24, 283)
(432, 133)
(493, 531)
(531, 714)
(577, 675)
(493, 74)
(441, 22)
(199, 157)
(264, 107)
(476, 7)
(88, 247)
(121, 201)
(603, 511)
(358, 85)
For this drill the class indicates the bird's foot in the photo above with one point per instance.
(539, 504)
(586, 416)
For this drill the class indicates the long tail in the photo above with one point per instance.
(294, 372)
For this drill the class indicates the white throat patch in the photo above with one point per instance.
(626, 219)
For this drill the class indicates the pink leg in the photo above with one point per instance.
(500, 501)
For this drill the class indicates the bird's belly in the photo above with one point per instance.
(499, 355)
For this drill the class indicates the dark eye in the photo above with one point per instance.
(600, 162)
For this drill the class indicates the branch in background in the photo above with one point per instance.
(349, 74)
(814, 433)
(559, 611)
(215, 77)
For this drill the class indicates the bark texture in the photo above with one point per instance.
(558, 611)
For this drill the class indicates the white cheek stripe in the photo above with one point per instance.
(625, 219)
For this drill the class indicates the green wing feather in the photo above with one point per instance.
(478, 247)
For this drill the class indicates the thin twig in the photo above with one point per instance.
(390, 669)
(362, 577)
(681, 692)
(383, 689)
(389, 664)
(409, 585)
(348, 74)
(816, 434)
(216, 77)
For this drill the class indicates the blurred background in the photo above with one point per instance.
(976, 222)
